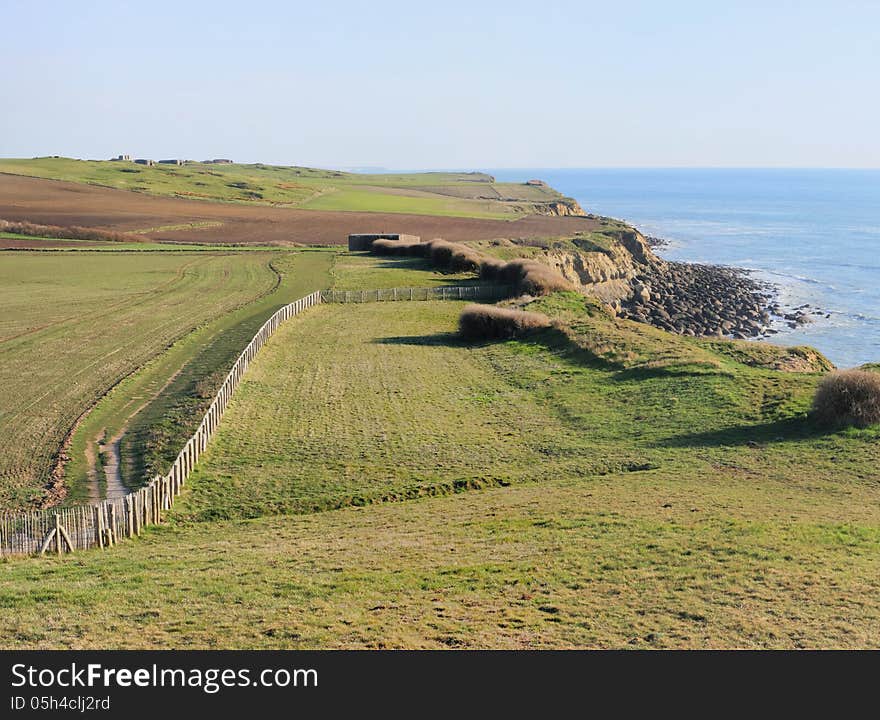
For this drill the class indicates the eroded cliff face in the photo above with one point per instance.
(618, 267)
(560, 208)
(607, 270)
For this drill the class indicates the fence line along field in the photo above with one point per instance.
(125, 514)
(153, 411)
(73, 325)
(104, 523)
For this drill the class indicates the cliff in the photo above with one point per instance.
(617, 266)
(603, 264)
(564, 207)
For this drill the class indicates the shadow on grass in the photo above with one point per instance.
(450, 339)
(422, 264)
(672, 370)
(755, 436)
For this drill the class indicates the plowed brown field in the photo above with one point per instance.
(52, 202)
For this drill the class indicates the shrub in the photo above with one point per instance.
(453, 256)
(384, 246)
(73, 232)
(491, 269)
(541, 279)
(526, 276)
(488, 322)
(848, 397)
(533, 277)
(440, 252)
(465, 259)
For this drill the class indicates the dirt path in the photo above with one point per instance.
(112, 473)
(112, 456)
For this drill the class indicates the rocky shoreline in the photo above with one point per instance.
(708, 300)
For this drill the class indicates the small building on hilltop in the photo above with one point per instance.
(363, 241)
(171, 162)
(143, 161)
(121, 158)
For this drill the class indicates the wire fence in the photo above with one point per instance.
(66, 529)
(458, 292)
(102, 524)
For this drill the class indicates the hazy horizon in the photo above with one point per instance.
(569, 85)
(474, 168)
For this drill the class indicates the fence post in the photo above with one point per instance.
(113, 528)
(99, 526)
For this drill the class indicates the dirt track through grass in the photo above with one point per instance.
(71, 326)
(155, 410)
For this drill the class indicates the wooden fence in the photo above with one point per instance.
(459, 292)
(65, 529)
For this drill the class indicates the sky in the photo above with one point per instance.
(478, 84)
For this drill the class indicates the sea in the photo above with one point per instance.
(813, 234)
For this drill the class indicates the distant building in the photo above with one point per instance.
(220, 161)
(171, 162)
(142, 161)
(536, 183)
(122, 158)
(363, 241)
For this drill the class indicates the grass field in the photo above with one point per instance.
(681, 500)
(141, 308)
(156, 409)
(74, 324)
(445, 194)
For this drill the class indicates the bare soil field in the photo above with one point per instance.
(54, 202)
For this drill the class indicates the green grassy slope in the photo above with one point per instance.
(414, 395)
(676, 500)
(73, 324)
(455, 194)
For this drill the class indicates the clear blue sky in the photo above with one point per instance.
(445, 84)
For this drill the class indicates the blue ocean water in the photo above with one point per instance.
(813, 233)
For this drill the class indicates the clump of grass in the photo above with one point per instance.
(454, 256)
(488, 322)
(74, 232)
(443, 254)
(491, 269)
(527, 276)
(397, 247)
(848, 397)
(535, 278)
